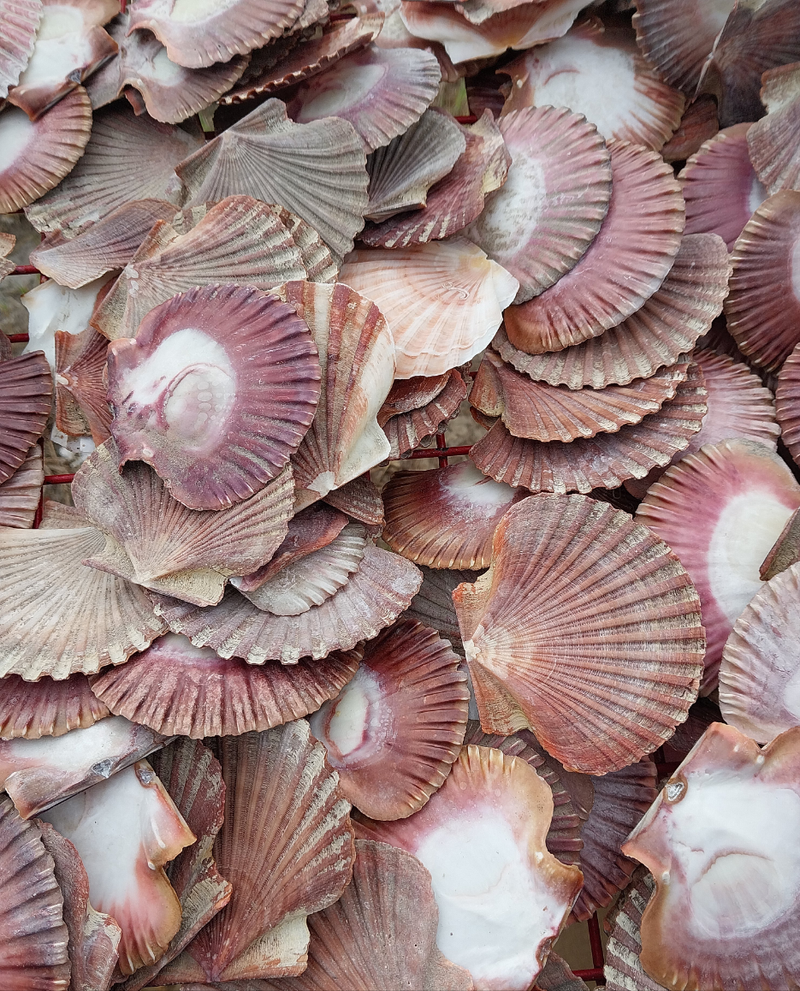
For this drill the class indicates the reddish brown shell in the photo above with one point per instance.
(81, 384)
(787, 403)
(26, 390)
(698, 124)
(406, 431)
(33, 709)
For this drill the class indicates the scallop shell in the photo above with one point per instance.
(7, 243)
(155, 541)
(397, 726)
(553, 202)
(623, 266)
(53, 309)
(785, 551)
(192, 777)
(300, 585)
(33, 709)
(433, 604)
(199, 36)
(445, 299)
(580, 69)
(407, 431)
(20, 20)
(489, 795)
(445, 518)
(373, 598)
(170, 92)
(316, 170)
(234, 374)
(720, 186)
(763, 308)
(620, 800)
(401, 174)
(20, 494)
(102, 247)
(39, 773)
(101, 182)
(32, 931)
(457, 199)
(175, 688)
(356, 351)
(772, 141)
(721, 511)
(621, 669)
(239, 240)
(319, 262)
(744, 802)
(94, 937)
(758, 676)
(26, 389)
(698, 124)
(59, 617)
(407, 395)
(81, 386)
(603, 461)
(787, 401)
(40, 153)
(678, 43)
(359, 499)
(666, 326)
(137, 894)
(287, 847)
(538, 411)
(623, 969)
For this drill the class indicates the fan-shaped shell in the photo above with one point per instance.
(698, 124)
(81, 384)
(600, 654)
(772, 141)
(215, 392)
(33, 709)
(373, 598)
(20, 494)
(603, 461)
(101, 182)
(52, 309)
(406, 431)
(445, 299)
(356, 351)
(623, 266)
(359, 499)
(397, 726)
(33, 950)
(155, 541)
(623, 968)
(316, 170)
(433, 604)
(665, 327)
(553, 201)
(20, 19)
(445, 518)
(787, 401)
(721, 511)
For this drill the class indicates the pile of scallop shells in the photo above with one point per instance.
(264, 725)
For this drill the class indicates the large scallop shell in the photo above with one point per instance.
(580, 69)
(772, 141)
(719, 843)
(665, 327)
(287, 847)
(38, 154)
(445, 518)
(759, 674)
(20, 19)
(407, 431)
(599, 652)
(33, 709)
(721, 511)
(603, 461)
(20, 494)
(356, 352)
(787, 402)
(239, 240)
(398, 725)
(380, 91)
(553, 202)
(176, 688)
(101, 181)
(33, 937)
(373, 598)
(538, 411)
(445, 300)
(126, 865)
(215, 392)
(57, 616)
(155, 541)
(316, 170)
(623, 266)
(205, 33)
(489, 821)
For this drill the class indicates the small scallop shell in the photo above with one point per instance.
(361, 500)
(101, 183)
(621, 668)
(33, 709)
(772, 141)
(433, 604)
(787, 401)
(20, 20)
(20, 494)
(316, 170)
(81, 384)
(54, 309)
(215, 392)
(40, 153)
(7, 243)
(698, 124)
(406, 431)
(623, 968)
(398, 725)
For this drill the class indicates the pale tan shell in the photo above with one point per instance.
(19, 495)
